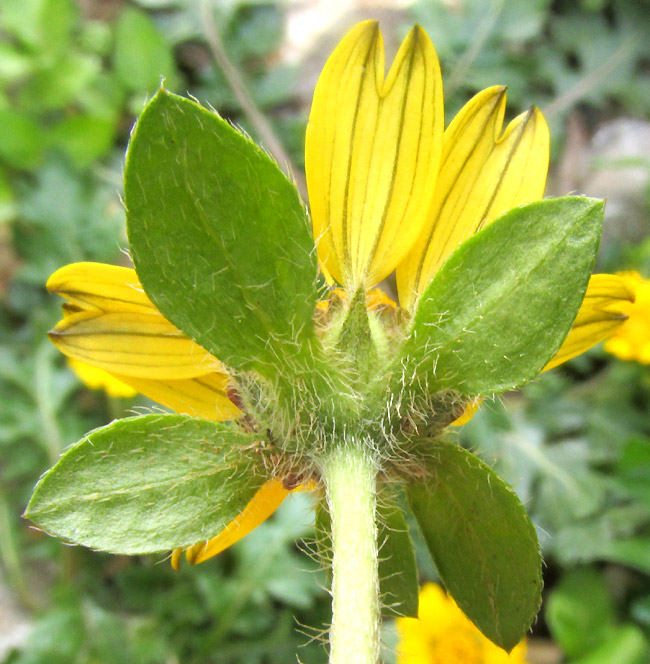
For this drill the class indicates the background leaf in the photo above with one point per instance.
(580, 610)
(142, 56)
(21, 140)
(625, 643)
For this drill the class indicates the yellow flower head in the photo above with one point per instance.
(390, 190)
(444, 635)
(631, 340)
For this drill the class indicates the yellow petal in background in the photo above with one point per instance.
(204, 396)
(604, 310)
(258, 510)
(631, 340)
(482, 175)
(98, 379)
(443, 633)
(372, 153)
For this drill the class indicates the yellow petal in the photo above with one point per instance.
(603, 311)
(176, 558)
(372, 153)
(110, 324)
(98, 379)
(108, 288)
(631, 341)
(482, 175)
(444, 634)
(258, 510)
(470, 410)
(132, 344)
(377, 299)
(204, 396)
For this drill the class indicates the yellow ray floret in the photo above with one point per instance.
(107, 288)
(110, 324)
(607, 312)
(470, 410)
(258, 510)
(444, 635)
(372, 153)
(203, 396)
(631, 340)
(98, 379)
(604, 310)
(482, 175)
(131, 344)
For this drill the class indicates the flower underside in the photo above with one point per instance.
(390, 191)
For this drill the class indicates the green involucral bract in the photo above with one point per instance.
(219, 236)
(504, 301)
(482, 541)
(150, 483)
(398, 574)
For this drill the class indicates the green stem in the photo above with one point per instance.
(240, 90)
(483, 33)
(51, 437)
(350, 477)
(10, 556)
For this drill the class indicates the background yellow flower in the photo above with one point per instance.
(443, 635)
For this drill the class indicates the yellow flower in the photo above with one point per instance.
(389, 189)
(443, 635)
(631, 340)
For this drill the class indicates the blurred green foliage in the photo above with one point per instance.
(553, 53)
(575, 444)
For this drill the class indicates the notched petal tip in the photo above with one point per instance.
(530, 123)
(372, 153)
(483, 173)
(111, 325)
(58, 279)
(100, 287)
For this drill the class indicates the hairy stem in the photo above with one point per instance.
(350, 477)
